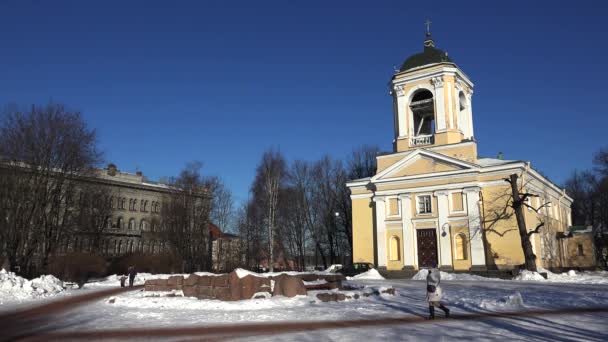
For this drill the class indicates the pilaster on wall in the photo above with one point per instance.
(408, 233)
(439, 103)
(445, 245)
(478, 256)
(399, 93)
(380, 231)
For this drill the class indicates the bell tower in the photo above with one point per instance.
(431, 101)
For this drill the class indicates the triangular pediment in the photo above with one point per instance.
(422, 162)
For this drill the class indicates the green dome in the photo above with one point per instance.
(430, 55)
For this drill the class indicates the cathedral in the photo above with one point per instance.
(435, 201)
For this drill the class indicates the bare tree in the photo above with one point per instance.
(222, 204)
(44, 153)
(185, 219)
(270, 176)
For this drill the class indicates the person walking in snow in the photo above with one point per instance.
(434, 293)
(132, 275)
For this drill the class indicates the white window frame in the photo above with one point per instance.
(388, 207)
(430, 195)
(451, 202)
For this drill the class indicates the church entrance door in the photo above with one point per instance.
(427, 247)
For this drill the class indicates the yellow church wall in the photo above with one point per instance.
(467, 152)
(394, 260)
(455, 179)
(422, 166)
(383, 162)
(465, 263)
(503, 235)
(363, 230)
(359, 191)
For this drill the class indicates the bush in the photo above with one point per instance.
(77, 267)
(148, 263)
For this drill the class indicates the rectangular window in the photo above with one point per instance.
(457, 203)
(424, 204)
(393, 207)
(580, 250)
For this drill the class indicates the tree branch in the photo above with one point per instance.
(535, 231)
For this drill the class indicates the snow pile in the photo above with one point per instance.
(421, 275)
(369, 275)
(242, 273)
(572, 276)
(526, 275)
(512, 302)
(334, 268)
(14, 287)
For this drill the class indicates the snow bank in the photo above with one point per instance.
(371, 274)
(14, 287)
(526, 275)
(571, 276)
(421, 275)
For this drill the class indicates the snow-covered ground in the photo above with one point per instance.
(462, 293)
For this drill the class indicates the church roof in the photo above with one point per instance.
(430, 55)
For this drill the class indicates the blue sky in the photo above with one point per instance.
(169, 82)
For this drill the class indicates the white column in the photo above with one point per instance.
(401, 109)
(380, 231)
(469, 117)
(408, 232)
(439, 103)
(445, 243)
(478, 256)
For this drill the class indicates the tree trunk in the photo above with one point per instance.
(530, 257)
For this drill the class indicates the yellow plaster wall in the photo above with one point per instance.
(394, 264)
(424, 165)
(466, 152)
(363, 230)
(503, 237)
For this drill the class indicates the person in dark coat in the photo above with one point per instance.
(434, 292)
(132, 275)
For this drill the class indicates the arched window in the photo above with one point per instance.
(132, 224)
(422, 107)
(463, 113)
(119, 223)
(143, 225)
(395, 250)
(109, 222)
(131, 246)
(120, 247)
(460, 244)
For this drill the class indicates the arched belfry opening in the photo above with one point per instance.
(422, 108)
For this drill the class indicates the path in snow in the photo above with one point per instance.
(133, 310)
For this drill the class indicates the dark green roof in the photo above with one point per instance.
(430, 55)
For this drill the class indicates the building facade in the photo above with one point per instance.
(134, 222)
(433, 200)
